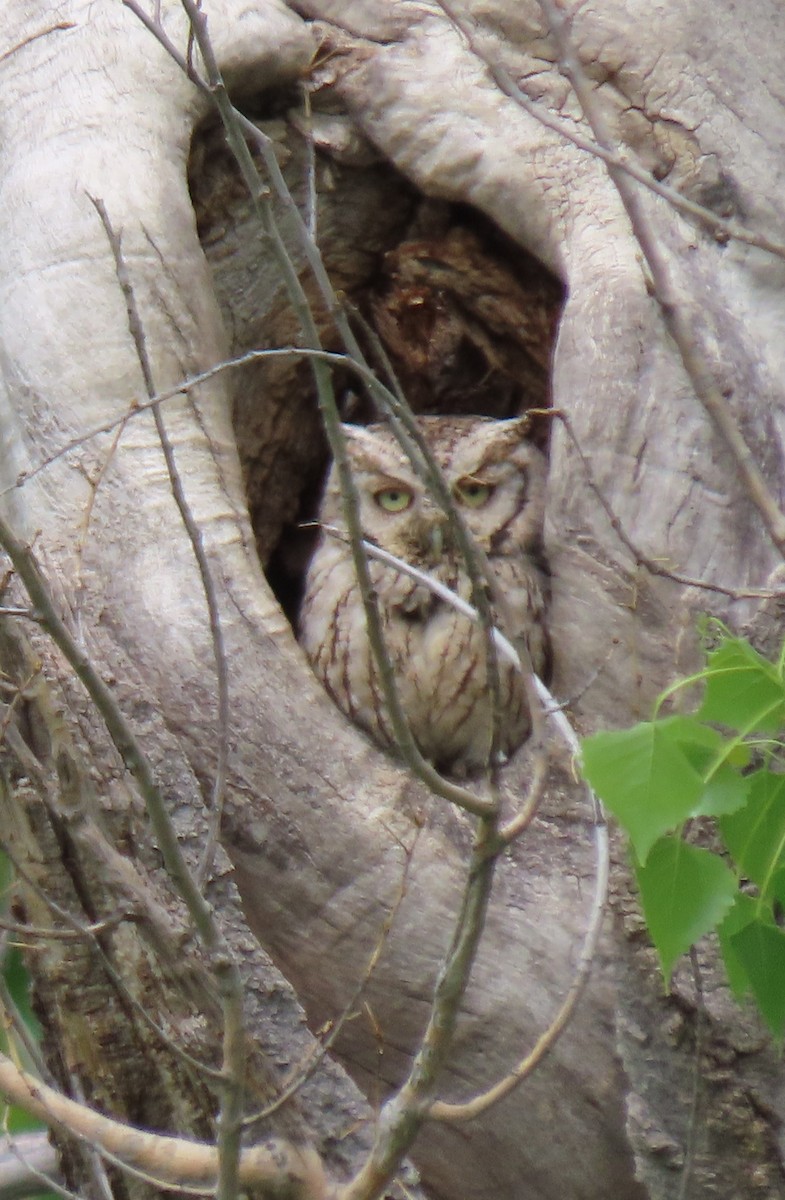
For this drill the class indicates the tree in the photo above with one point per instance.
(667, 367)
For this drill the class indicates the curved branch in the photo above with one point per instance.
(674, 314)
(278, 1168)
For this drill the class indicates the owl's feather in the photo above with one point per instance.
(439, 656)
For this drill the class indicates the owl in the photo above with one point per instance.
(497, 480)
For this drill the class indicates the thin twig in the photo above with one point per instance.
(23, 934)
(194, 536)
(124, 740)
(394, 406)
(80, 542)
(697, 1079)
(136, 406)
(442, 1111)
(678, 323)
(33, 37)
(17, 1029)
(237, 128)
(643, 560)
(224, 967)
(402, 1117)
(95, 1162)
(311, 205)
(156, 28)
(7, 711)
(447, 1112)
(723, 229)
(304, 1071)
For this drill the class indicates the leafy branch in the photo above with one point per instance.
(724, 762)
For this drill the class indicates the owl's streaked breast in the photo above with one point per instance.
(438, 655)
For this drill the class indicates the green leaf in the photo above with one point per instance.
(645, 779)
(693, 735)
(760, 948)
(686, 891)
(710, 754)
(744, 910)
(743, 690)
(755, 835)
(778, 888)
(726, 792)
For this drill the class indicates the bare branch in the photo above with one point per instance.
(297, 1077)
(189, 384)
(403, 1115)
(442, 1111)
(194, 534)
(273, 1167)
(678, 323)
(613, 156)
(125, 741)
(226, 970)
(643, 560)
(28, 1165)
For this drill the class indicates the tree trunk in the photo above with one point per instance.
(326, 834)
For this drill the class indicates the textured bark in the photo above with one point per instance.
(318, 821)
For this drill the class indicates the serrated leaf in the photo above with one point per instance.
(760, 948)
(645, 779)
(743, 690)
(726, 792)
(685, 891)
(755, 835)
(743, 911)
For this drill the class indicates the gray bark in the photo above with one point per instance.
(317, 818)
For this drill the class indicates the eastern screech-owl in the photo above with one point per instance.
(497, 479)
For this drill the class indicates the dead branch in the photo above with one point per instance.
(678, 322)
(277, 1167)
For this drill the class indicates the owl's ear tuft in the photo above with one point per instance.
(512, 430)
(496, 441)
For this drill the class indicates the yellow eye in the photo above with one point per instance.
(472, 493)
(393, 500)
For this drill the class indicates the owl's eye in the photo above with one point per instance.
(394, 499)
(472, 493)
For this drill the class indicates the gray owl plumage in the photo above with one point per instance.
(497, 479)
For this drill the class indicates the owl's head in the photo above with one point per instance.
(495, 476)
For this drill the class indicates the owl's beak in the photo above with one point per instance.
(432, 533)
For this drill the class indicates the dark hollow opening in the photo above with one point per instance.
(466, 318)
